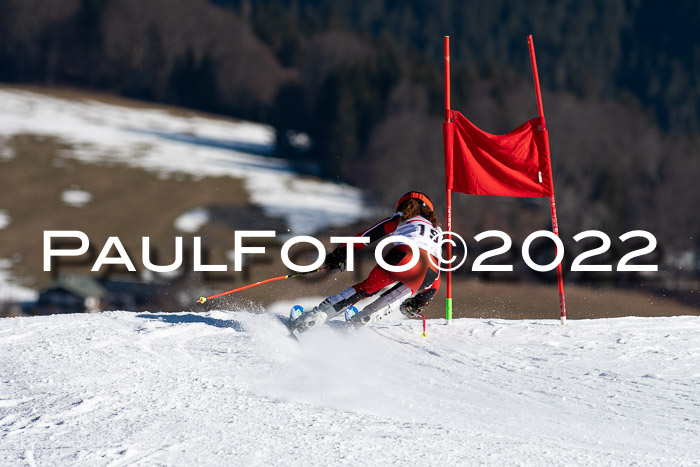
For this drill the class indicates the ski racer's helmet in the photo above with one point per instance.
(422, 199)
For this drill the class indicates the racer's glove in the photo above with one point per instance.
(410, 308)
(335, 260)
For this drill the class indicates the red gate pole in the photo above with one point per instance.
(552, 205)
(448, 148)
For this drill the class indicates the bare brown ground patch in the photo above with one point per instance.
(126, 202)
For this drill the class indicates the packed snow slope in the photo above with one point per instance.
(232, 388)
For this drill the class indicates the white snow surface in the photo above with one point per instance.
(76, 197)
(6, 153)
(232, 388)
(169, 145)
(10, 291)
(192, 220)
(5, 219)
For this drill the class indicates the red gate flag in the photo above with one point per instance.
(514, 164)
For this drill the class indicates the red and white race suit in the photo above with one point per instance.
(422, 280)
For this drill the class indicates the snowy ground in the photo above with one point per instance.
(9, 289)
(169, 144)
(231, 388)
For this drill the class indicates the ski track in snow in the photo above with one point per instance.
(232, 388)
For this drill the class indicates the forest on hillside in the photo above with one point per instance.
(364, 80)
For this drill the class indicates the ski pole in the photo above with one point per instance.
(272, 279)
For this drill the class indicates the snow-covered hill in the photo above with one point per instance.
(232, 388)
(177, 144)
(168, 143)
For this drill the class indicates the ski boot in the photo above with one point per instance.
(388, 303)
(302, 322)
(350, 312)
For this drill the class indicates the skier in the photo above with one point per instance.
(414, 219)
